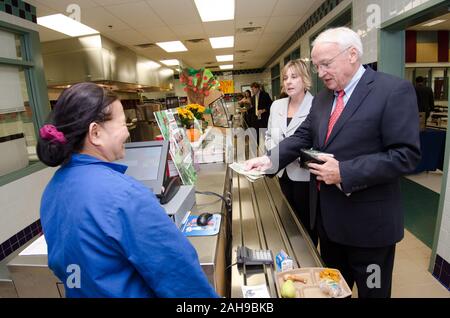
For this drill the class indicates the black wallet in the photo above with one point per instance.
(311, 156)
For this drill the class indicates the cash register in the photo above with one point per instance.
(147, 162)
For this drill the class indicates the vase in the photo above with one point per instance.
(193, 134)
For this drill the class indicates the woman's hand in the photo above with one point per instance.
(260, 163)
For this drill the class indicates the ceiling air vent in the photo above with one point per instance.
(145, 45)
(209, 63)
(243, 51)
(247, 30)
(196, 40)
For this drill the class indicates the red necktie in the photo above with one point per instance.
(334, 118)
(336, 113)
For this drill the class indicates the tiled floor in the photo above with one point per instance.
(411, 278)
(431, 180)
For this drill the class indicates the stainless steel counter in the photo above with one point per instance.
(262, 219)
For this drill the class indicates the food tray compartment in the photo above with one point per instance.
(310, 288)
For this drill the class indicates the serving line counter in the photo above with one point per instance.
(31, 277)
(262, 219)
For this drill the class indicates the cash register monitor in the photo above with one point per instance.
(146, 162)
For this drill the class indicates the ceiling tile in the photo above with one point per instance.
(188, 31)
(221, 28)
(292, 7)
(281, 24)
(127, 37)
(246, 42)
(61, 5)
(112, 2)
(99, 19)
(254, 8)
(139, 14)
(175, 12)
(199, 48)
(251, 22)
(159, 34)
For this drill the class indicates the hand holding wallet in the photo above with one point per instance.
(311, 156)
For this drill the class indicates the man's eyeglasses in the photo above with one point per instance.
(326, 65)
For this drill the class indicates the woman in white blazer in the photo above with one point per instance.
(286, 116)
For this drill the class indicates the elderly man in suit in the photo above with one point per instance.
(369, 121)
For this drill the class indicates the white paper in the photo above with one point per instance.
(257, 291)
(38, 247)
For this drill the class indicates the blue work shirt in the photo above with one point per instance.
(113, 229)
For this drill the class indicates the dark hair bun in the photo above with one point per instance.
(52, 153)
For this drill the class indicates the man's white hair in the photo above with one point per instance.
(343, 36)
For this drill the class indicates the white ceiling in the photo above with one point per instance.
(437, 27)
(133, 22)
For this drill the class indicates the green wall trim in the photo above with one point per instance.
(391, 59)
(437, 229)
(16, 62)
(16, 175)
(417, 15)
(36, 86)
(391, 52)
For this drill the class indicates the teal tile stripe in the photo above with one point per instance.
(421, 209)
(16, 10)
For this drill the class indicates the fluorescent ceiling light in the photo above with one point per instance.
(215, 10)
(222, 42)
(224, 58)
(433, 23)
(170, 62)
(172, 46)
(226, 67)
(61, 23)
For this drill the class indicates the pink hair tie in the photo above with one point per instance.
(49, 132)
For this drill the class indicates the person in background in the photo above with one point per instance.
(100, 221)
(245, 103)
(261, 102)
(425, 97)
(286, 115)
(246, 100)
(369, 121)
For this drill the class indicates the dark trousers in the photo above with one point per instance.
(297, 194)
(358, 264)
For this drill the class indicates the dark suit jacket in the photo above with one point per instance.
(425, 99)
(264, 102)
(375, 140)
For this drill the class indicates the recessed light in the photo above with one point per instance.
(215, 10)
(226, 67)
(172, 46)
(222, 42)
(170, 62)
(433, 23)
(61, 23)
(224, 58)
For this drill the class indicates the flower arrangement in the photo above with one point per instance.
(197, 110)
(198, 83)
(186, 116)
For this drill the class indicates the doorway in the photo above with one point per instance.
(391, 59)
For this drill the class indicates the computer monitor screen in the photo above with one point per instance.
(146, 162)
